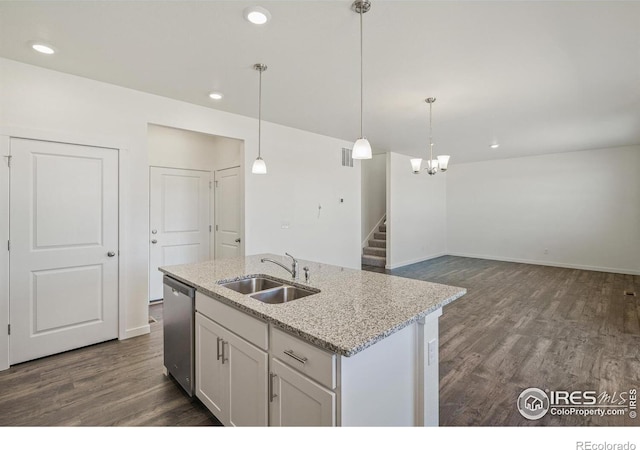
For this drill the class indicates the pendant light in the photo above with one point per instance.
(259, 167)
(361, 148)
(441, 162)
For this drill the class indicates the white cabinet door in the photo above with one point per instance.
(299, 401)
(247, 366)
(211, 373)
(231, 375)
(64, 247)
(179, 220)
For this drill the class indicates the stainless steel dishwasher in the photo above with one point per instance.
(178, 319)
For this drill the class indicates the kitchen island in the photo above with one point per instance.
(360, 351)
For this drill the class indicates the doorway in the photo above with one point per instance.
(175, 156)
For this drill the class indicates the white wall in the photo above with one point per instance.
(285, 201)
(304, 168)
(228, 152)
(184, 149)
(583, 207)
(416, 213)
(374, 192)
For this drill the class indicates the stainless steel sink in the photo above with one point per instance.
(251, 285)
(282, 294)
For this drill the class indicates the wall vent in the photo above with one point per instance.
(347, 157)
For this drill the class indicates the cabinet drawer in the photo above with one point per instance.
(250, 328)
(305, 357)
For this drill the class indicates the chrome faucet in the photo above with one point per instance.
(294, 265)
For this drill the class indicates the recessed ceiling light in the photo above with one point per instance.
(43, 48)
(494, 145)
(216, 95)
(257, 15)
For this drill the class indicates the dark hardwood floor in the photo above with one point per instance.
(519, 326)
(523, 326)
(113, 383)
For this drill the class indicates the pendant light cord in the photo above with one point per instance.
(259, 112)
(430, 133)
(361, 76)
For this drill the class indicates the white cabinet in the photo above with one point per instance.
(296, 400)
(251, 373)
(231, 375)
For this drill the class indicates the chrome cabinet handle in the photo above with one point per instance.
(272, 395)
(218, 349)
(223, 357)
(290, 353)
(111, 254)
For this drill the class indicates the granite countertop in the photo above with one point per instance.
(354, 309)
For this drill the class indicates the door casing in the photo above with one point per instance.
(6, 133)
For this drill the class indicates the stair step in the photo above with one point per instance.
(382, 228)
(377, 261)
(375, 251)
(377, 243)
(380, 236)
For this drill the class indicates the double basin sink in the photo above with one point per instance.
(268, 290)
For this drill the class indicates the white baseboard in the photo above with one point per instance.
(414, 261)
(547, 263)
(139, 331)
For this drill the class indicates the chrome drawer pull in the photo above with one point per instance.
(218, 348)
(290, 353)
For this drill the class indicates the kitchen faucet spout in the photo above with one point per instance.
(294, 265)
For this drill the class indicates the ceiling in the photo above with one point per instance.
(536, 77)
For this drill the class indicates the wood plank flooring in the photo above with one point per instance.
(518, 326)
(113, 383)
(523, 326)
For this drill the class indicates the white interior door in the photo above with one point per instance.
(64, 247)
(179, 221)
(227, 217)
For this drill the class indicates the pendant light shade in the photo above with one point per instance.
(443, 162)
(259, 167)
(416, 163)
(361, 148)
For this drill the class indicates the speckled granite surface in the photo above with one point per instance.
(354, 309)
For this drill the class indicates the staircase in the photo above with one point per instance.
(376, 252)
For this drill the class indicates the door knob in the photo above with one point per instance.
(238, 240)
(111, 254)
(155, 241)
